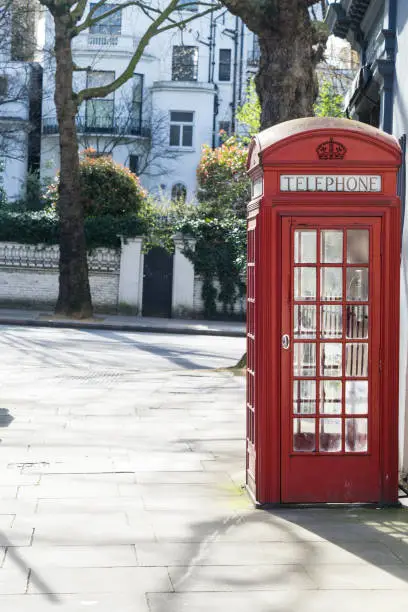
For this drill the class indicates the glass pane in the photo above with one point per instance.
(357, 284)
(357, 397)
(304, 323)
(330, 435)
(358, 246)
(304, 435)
(330, 396)
(356, 435)
(99, 114)
(331, 359)
(357, 322)
(304, 359)
(331, 246)
(305, 246)
(331, 321)
(305, 283)
(331, 284)
(304, 397)
(175, 135)
(181, 116)
(357, 359)
(187, 136)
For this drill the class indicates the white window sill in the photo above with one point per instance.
(182, 149)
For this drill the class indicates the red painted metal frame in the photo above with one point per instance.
(267, 214)
(346, 477)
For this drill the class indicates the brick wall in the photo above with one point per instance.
(29, 276)
(239, 307)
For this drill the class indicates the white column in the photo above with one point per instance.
(183, 279)
(131, 274)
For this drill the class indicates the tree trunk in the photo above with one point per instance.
(286, 81)
(74, 297)
(290, 48)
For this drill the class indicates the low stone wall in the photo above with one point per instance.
(29, 278)
(239, 306)
(29, 275)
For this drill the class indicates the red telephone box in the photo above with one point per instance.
(323, 314)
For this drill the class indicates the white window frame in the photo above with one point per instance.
(180, 146)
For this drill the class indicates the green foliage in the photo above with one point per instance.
(107, 188)
(219, 255)
(223, 184)
(162, 220)
(43, 228)
(329, 103)
(249, 114)
(32, 197)
(218, 225)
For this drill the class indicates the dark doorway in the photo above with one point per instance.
(157, 283)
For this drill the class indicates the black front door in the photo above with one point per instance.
(157, 283)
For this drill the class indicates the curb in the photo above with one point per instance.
(188, 331)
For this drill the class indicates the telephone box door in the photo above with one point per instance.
(331, 361)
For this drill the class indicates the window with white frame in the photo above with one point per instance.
(100, 111)
(110, 25)
(185, 63)
(181, 128)
(3, 86)
(224, 67)
(188, 5)
(179, 192)
(137, 102)
(224, 130)
(134, 163)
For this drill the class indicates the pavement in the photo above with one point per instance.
(37, 318)
(121, 474)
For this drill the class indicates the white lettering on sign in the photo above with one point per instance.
(363, 183)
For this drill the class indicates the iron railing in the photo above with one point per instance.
(117, 125)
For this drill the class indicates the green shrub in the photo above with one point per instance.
(223, 184)
(107, 188)
(43, 228)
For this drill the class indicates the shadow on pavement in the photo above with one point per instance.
(5, 417)
(32, 576)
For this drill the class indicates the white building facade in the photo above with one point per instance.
(20, 102)
(185, 89)
(378, 30)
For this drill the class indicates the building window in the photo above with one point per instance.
(137, 103)
(179, 192)
(224, 130)
(188, 5)
(255, 53)
(185, 63)
(100, 111)
(134, 164)
(224, 68)
(111, 25)
(181, 129)
(3, 86)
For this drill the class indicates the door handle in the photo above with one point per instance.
(285, 342)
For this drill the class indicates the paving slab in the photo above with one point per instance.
(70, 556)
(137, 580)
(97, 602)
(121, 472)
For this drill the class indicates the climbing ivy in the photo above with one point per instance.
(219, 255)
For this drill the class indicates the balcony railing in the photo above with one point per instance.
(112, 42)
(118, 126)
(253, 58)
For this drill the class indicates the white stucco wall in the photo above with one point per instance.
(161, 93)
(401, 127)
